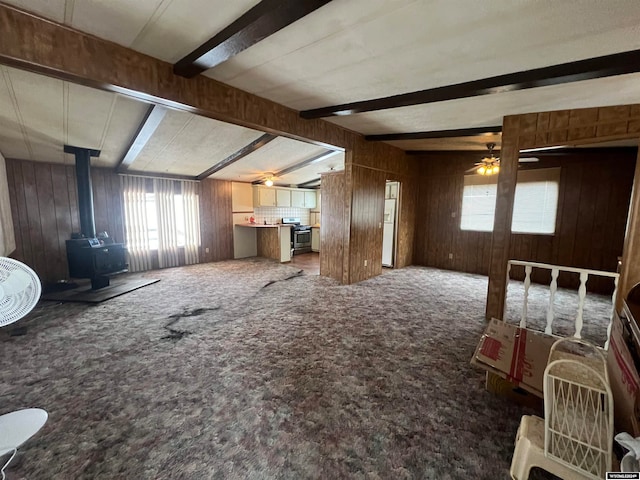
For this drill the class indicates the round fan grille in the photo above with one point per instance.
(19, 290)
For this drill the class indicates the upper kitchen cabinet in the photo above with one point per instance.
(264, 197)
(297, 198)
(271, 197)
(241, 197)
(283, 198)
(310, 199)
(303, 198)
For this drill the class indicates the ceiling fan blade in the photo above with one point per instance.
(528, 159)
(472, 169)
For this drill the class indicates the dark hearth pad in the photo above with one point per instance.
(84, 293)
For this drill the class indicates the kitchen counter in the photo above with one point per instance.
(261, 225)
(269, 241)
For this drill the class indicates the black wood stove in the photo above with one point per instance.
(87, 255)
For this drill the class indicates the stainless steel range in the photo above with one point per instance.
(300, 235)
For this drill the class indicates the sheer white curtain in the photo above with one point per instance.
(191, 208)
(165, 217)
(167, 225)
(136, 222)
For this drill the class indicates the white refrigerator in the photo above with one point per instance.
(388, 233)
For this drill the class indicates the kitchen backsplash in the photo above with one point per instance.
(275, 214)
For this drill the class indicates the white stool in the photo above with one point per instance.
(529, 452)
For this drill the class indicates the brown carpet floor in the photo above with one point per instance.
(250, 370)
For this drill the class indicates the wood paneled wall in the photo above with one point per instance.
(44, 207)
(216, 221)
(332, 220)
(594, 195)
(368, 165)
(367, 215)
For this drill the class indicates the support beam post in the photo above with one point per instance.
(501, 238)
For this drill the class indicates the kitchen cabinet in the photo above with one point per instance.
(310, 199)
(241, 197)
(297, 198)
(303, 198)
(264, 197)
(283, 198)
(315, 239)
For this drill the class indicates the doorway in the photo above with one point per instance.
(390, 221)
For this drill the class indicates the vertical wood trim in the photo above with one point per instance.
(501, 238)
(347, 220)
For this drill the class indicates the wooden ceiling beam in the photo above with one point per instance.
(149, 124)
(261, 21)
(168, 176)
(299, 165)
(551, 152)
(234, 157)
(310, 183)
(461, 132)
(598, 67)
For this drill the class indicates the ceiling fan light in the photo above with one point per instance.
(489, 171)
(268, 182)
(496, 169)
(482, 170)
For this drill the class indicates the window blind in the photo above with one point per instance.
(535, 204)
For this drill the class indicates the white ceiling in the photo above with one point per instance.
(361, 49)
(488, 110)
(273, 157)
(186, 144)
(352, 50)
(39, 115)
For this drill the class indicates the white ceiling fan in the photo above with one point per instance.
(490, 165)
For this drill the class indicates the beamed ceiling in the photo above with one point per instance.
(420, 75)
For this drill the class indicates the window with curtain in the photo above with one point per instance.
(161, 215)
(535, 204)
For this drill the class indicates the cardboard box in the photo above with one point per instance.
(518, 355)
(624, 381)
(504, 388)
